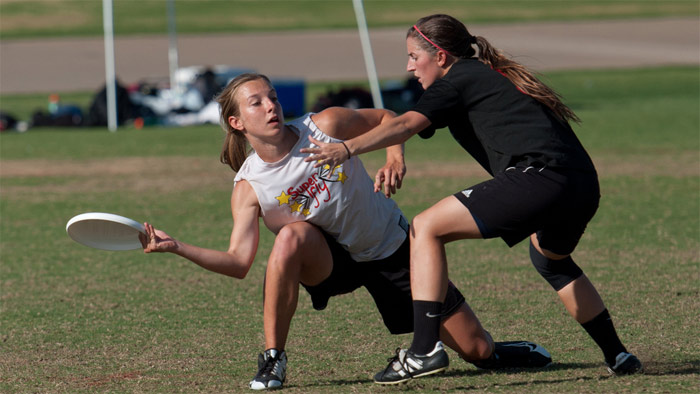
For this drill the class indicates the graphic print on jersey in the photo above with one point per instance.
(314, 190)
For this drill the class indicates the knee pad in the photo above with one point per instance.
(558, 273)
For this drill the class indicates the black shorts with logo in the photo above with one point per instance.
(557, 204)
(388, 282)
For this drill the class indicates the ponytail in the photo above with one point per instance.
(235, 150)
(524, 80)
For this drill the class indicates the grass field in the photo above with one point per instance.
(75, 319)
(52, 18)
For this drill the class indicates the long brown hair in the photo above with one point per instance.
(453, 37)
(235, 149)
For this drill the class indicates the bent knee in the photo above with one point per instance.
(480, 349)
(558, 272)
(293, 238)
(423, 225)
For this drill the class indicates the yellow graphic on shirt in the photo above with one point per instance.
(283, 198)
(296, 207)
(313, 192)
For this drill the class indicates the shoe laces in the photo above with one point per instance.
(269, 365)
(396, 356)
(397, 359)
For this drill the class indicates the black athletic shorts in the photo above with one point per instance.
(554, 203)
(387, 280)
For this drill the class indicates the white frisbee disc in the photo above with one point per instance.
(105, 231)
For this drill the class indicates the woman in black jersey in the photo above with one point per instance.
(544, 184)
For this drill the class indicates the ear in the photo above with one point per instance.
(442, 58)
(236, 123)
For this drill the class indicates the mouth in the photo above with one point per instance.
(274, 119)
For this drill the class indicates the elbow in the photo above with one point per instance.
(411, 123)
(238, 275)
(240, 271)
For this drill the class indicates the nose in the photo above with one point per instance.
(270, 105)
(409, 66)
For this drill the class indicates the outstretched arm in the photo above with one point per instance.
(237, 260)
(392, 132)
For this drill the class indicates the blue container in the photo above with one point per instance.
(291, 93)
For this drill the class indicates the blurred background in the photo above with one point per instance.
(172, 56)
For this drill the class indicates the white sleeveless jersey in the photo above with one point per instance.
(341, 201)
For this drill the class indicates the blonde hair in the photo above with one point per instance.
(235, 148)
(447, 32)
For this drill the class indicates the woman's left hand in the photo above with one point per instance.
(332, 154)
(391, 176)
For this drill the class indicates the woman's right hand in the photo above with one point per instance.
(332, 154)
(156, 240)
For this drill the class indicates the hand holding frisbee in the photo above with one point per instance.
(156, 240)
(105, 231)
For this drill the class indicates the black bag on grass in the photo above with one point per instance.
(97, 114)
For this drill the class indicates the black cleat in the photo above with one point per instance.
(625, 364)
(516, 354)
(405, 365)
(272, 370)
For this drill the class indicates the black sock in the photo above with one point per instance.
(426, 325)
(603, 332)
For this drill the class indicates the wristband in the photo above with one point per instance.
(346, 148)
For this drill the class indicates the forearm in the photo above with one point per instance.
(390, 132)
(230, 263)
(393, 131)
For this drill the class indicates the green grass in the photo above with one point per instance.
(52, 18)
(74, 319)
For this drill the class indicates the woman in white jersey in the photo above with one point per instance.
(334, 234)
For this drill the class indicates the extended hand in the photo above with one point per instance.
(332, 154)
(156, 240)
(391, 175)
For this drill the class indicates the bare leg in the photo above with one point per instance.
(580, 297)
(446, 221)
(300, 254)
(583, 302)
(463, 333)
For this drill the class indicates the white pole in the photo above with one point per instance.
(172, 45)
(110, 76)
(367, 51)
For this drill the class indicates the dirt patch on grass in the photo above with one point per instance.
(138, 174)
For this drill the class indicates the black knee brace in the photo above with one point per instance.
(558, 273)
